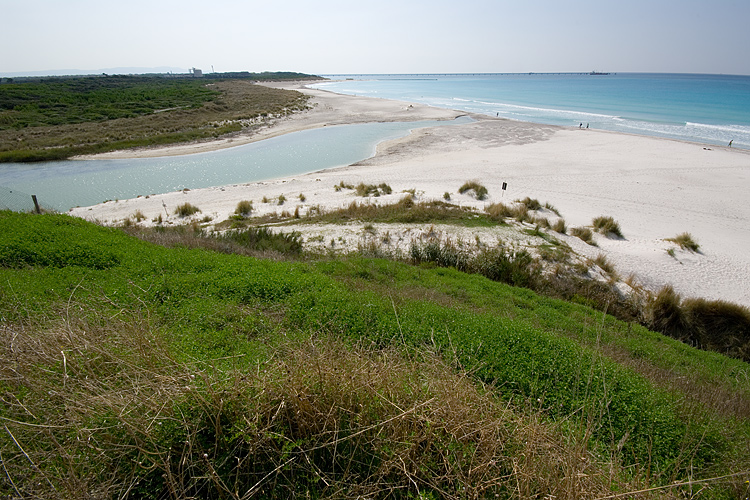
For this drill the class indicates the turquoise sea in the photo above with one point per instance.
(709, 109)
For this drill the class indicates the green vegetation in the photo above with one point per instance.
(244, 208)
(405, 211)
(186, 210)
(56, 118)
(475, 189)
(129, 369)
(607, 226)
(685, 241)
(584, 234)
(364, 190)
(707, 324)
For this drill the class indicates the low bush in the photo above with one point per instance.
(244, 208)
(607, 226)
(714, 325)
(477, 190)
(186, 210)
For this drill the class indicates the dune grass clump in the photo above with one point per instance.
(342, 185)
(499, 211)
(138, 216)
(685, 241)
(244, 208)
(559, 226)
(531, 204)
(606, 226)
(475, 189)
(186, 210)
(605, 265)
(583, 233)
(264, 239)
(366, 190)
(281, 199)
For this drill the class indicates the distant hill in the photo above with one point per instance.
(83, 72)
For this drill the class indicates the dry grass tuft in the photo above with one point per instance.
(685, 241)
(584, 234)
(186, 210)
(104, 411)
(607, 226)
(475, 189)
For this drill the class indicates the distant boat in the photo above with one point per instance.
(596, 73)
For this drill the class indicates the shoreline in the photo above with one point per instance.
(329, 108)
(654, 187)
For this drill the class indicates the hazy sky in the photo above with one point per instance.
(386, 36)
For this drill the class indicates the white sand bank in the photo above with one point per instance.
(655, 188)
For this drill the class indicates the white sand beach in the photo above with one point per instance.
(655, 188)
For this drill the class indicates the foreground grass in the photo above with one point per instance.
(173, 372)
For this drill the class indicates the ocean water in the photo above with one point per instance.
(65, 184)
(709, 109)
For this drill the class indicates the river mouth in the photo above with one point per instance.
(66, 184)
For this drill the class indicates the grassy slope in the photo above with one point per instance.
(624, 385)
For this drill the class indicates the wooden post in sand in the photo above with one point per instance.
(36, 204)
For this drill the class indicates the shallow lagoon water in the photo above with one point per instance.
(66, 184)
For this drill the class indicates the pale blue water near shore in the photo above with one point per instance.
(65, 184)
(709, 109)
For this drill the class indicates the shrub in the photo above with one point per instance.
(447, 196)
(282, 199)
(244, 208)
(480, 192)
(302, 197)
(584, 234)
(138, 216)
(685, 241)
(186, 210)
(607, 226)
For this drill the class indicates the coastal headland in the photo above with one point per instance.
(654, 188)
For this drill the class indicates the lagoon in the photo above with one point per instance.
(66, 184)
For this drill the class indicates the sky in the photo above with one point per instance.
(327, 37)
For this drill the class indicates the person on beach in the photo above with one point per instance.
(587, 125)
(580, 125)
(730, 143)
